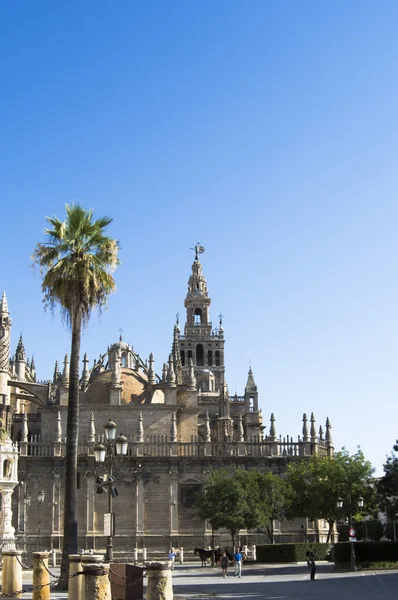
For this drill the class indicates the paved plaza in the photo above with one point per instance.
(271, 582)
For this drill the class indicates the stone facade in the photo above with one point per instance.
(180, 424)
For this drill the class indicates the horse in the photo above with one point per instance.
(205, 554)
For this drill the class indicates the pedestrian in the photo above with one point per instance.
(311, 564)
(238, 563)
(224, 564)
(172, 557)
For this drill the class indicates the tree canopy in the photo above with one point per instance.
(319, 482)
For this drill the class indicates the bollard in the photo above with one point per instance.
(96, 581)
(160, 585)
(86, 559)
(11, 581)
(54, 558)
(75, 583)
(143, 554)
(181, 556)
(41, 576)
(135, 556)
(254, 552)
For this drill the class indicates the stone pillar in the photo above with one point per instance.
(135, 555)
(143, 554)
(89, 559)
(41, 576)
(181, 556)
(160, 585)
(75, 583)
(96, 581)
(12, 573)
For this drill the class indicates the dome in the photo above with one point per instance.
(133, 387)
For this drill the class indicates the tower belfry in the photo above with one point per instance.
(200, 342)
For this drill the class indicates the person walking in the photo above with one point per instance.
(238, 564)
(224, 564)
(172, 557)
(311, 564)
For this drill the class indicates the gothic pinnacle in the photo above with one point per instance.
(151, 372)
(305, 428)
(171, 377)
(4, 304)
(191, 376)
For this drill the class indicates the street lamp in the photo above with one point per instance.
(339, 503)
(27, 502)
(106, 452)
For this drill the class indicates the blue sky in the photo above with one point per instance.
(266, 130)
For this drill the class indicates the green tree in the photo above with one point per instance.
(387, 487)
(76, 262)
(319, 482)
(274, 500)
(228, 500)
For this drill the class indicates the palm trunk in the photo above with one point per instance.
(72, 434)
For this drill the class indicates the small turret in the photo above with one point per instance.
(251, 392)
(91, 438)
(171, 378)
(20, 360)
(207, 428)
(86, 373)
(151, 372)
(305, 428)
(140, 428)
(191, 383)
(173, 430)
(313, 429)
(56, 372)
(272, 429)
(66, 372)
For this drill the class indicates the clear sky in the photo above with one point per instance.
(266, 130)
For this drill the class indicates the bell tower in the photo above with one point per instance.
(200, 342)
(5, 331)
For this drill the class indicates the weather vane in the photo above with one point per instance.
(121, 334)
(198, 250)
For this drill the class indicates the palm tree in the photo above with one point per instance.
(76, 262)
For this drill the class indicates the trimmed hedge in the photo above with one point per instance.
(366, 552)
(274, 553)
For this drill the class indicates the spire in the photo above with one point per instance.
(164, 373)
(25, 431)
(241, 434)
(86, 373)
(173, 431)
(313, 429)
(58, 432)
(272, 429)
(140, 428)
(91, 438)
(250, 385)
(171, 378)
(66, 372)
(151, 372)
(56, 372)
(4, 304)
(20, 352)
(328, 436)
(177, 354)
(207, 428)
(305, 428)
(321, 434)
(191, 383)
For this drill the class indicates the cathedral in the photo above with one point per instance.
(177, 425)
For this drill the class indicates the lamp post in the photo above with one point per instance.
(113, 446)
(353, 565)
(27, 502)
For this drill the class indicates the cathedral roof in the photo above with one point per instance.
(134, 387)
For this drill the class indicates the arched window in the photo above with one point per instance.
(182, 355)
(189, 354)
(209, 358)
(217, 358)
(199, 355)
(198, 316)
(124, 360)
